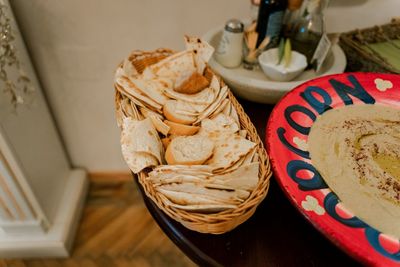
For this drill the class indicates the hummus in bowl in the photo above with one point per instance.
(356, 149)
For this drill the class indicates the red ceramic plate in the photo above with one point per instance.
(287, 133)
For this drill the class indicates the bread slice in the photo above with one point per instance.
(172, 115)
(194, 84)
(189, 150)
(181, 129)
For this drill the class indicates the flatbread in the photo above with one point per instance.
(245, 177)
(219, 109)
(233, 114)
(129, 69)
(209, 208)
(211, 108)
(148, 112)
(218, 127)
(162, 179)
(160, 125)
(183, 198)
(221, 196)
(177, 67)
(132, 90)
(190, 109)
(128, 110)
(229, 150)
(227, 109)
(154, 88)
(202, 50)
(137, 161)
(140, 136)
(206, 96)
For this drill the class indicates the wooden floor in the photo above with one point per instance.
(116, 230)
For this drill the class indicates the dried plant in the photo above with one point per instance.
(19, 87)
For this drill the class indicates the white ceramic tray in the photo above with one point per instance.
(255, 86)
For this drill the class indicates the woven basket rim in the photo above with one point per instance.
(215, 223)
(350, 39)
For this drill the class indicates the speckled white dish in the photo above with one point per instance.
(255, 86)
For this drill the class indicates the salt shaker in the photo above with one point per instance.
(230, 48)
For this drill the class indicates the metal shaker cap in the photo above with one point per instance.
(234, 25)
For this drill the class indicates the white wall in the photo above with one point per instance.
(32, 138)
(77, 44)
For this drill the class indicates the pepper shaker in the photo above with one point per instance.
(230, 48)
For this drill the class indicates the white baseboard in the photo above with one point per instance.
(57, 241)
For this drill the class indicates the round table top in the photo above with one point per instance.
(276, 235)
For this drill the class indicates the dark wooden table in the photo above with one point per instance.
(276, 235)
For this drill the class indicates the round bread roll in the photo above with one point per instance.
(170, 114)
(181, 129)
(189, 150)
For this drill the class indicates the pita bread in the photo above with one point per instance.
(243, 160)
(197, 170)
(202, 50)
(234, 114)
(137, 161)
(205, 96)
(255, 158)
(245, 177)
(129, 69)
(218, 127)
(249, 157)
(219, 109)
(154, 88)
(131, 98)
(243, 133)
(171, 114)
(211, 108)
(183, 198)
(177, 67)
(241, 194)
(135, 110)
(227, 109)
(229, 150)
(129, 111)
(120, 115)
(215, 84)
(208, 208)
(148, 112)
(160, 125)
(220, 196)
(188, 108)
(231, 168)
(130, 89)
(140, 136)
(174, 178)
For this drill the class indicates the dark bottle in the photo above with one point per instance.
(309, 30)
(269, 21)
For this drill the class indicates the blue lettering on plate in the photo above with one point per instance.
(319, 107)
(281, 131)
(373, 238)
(314, 183)
(357, 91)
(297, 108)
(330, 202)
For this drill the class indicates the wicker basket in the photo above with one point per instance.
(214, 223)
(362, 59)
